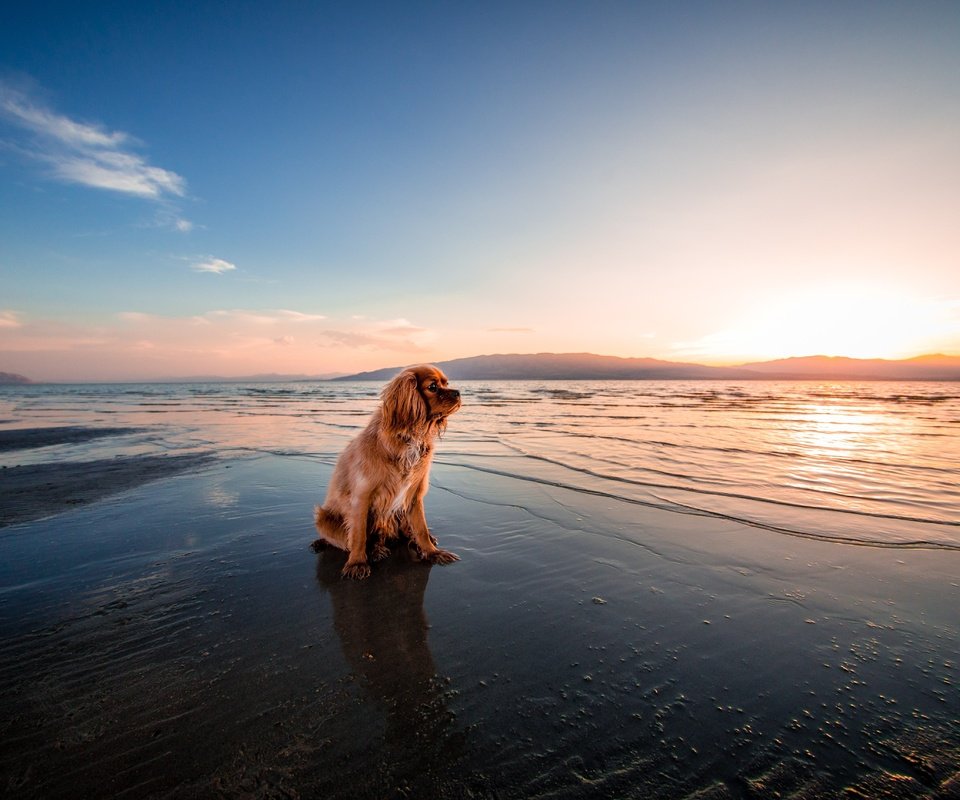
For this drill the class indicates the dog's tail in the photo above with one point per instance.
(330, 526)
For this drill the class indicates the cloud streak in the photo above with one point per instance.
(9, 319)
(397, 336)
(230, 317)
(87, 153)
(360, 340)
(265, 317)
(135, 344)
(215, 265)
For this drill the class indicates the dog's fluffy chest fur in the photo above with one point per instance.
(411, 455)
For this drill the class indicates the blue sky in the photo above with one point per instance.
(238, 188)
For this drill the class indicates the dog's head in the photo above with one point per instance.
(418, 396)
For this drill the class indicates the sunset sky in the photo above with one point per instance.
(240, 188)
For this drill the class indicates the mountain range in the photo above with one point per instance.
(587, 366)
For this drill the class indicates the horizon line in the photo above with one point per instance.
(332, 376)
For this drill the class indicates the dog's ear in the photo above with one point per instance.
(403, 407)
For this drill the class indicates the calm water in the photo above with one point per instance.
(873, 464)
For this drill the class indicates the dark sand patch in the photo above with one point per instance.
(28, 438)
(36, 491)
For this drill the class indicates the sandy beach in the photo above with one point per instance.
(167, 632)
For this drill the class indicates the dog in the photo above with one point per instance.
(380, 479)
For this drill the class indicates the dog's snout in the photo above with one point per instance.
(454, 393)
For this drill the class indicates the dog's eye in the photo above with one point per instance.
(432, 387)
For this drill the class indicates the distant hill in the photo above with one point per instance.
(587, 366)
(8, 378)
(923, 368)
(271, 377)
(565, 366)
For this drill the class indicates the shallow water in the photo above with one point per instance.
(602, 636)
(873, 463)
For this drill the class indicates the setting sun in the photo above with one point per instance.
(851, 321)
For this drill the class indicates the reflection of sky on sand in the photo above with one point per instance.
(222, 498)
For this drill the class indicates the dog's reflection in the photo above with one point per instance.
(382, 629)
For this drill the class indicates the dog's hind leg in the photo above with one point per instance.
(383, 528)
(381, 531)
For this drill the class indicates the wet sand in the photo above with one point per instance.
(180, 639)
(24, 438)
(42, 490)
(35, 491)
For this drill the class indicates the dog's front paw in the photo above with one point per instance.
(442, 557)
(380, 551)
(357, 571)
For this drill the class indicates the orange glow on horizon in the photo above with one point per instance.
(836, 321)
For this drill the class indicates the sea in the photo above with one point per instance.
(874, 464)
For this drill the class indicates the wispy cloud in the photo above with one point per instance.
(86, 153)
(10, 319)
(360, 340)
(215, 265)
(170, 218)
(510, 330)
(397, 335)
(240, 341)
(263, 317)
(298, 316)
(41, 120)
(399, 327)
(116, 171)
(245, 327)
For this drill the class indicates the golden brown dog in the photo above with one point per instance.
(382, 475)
